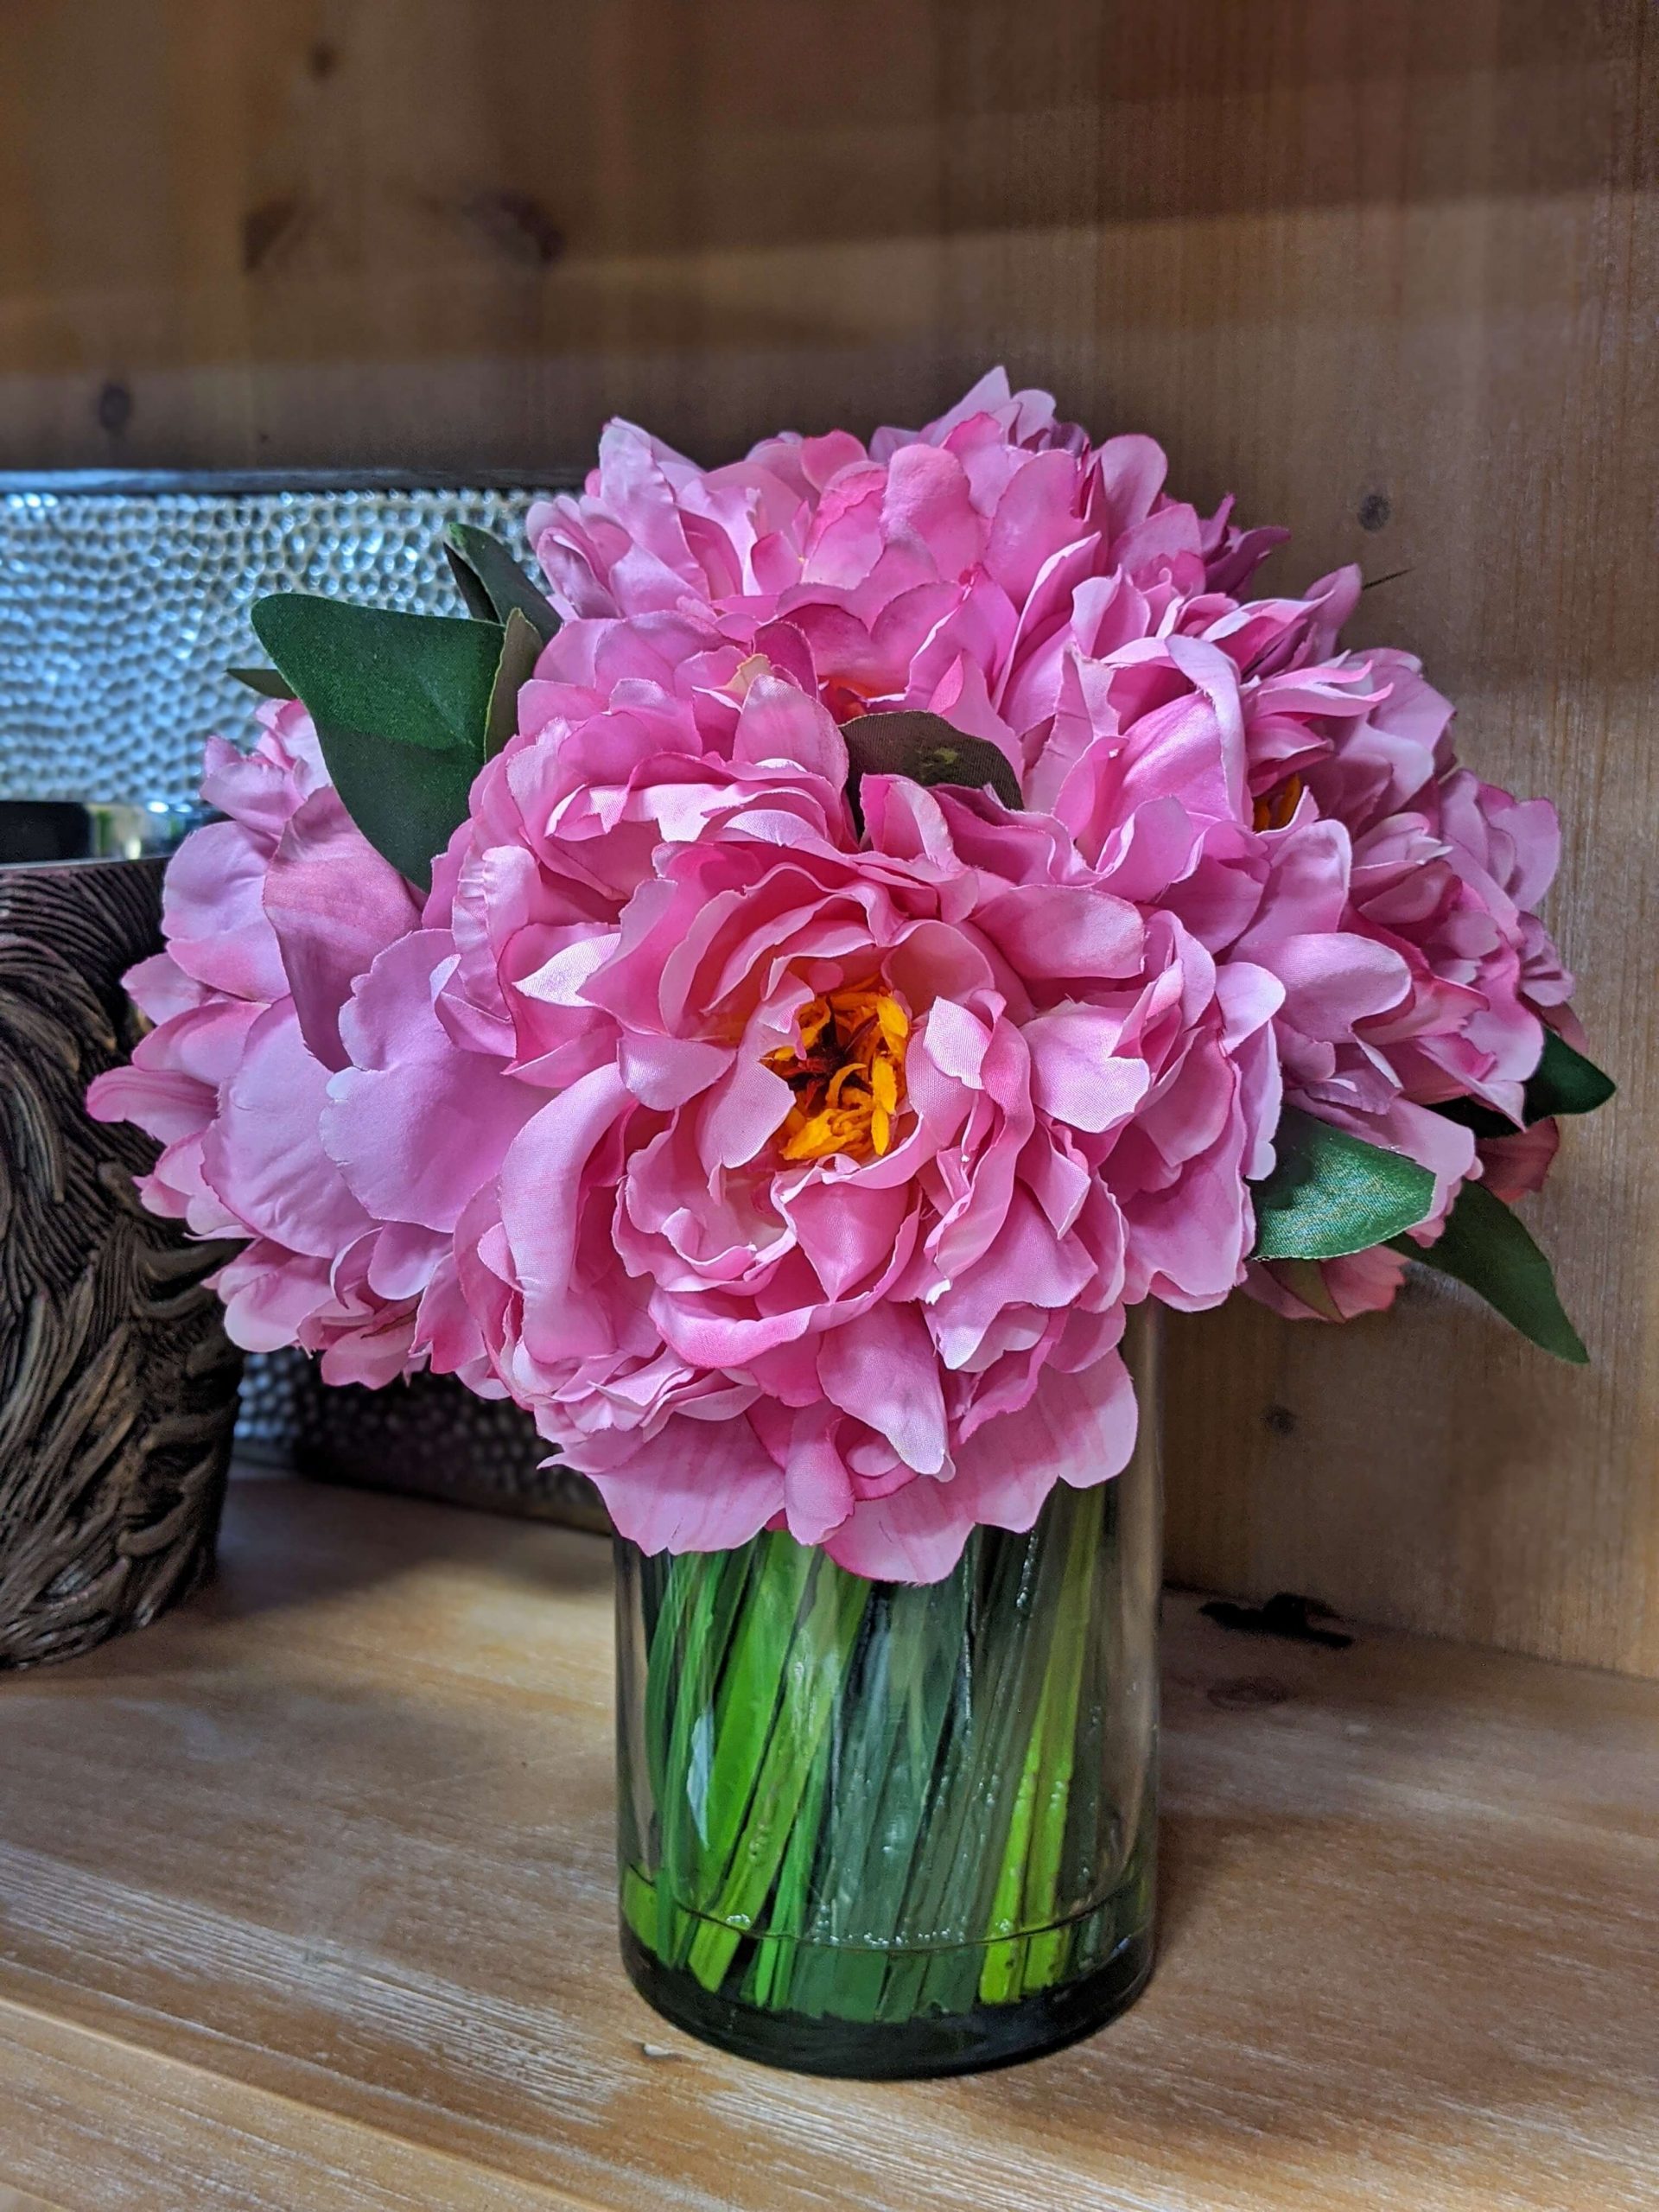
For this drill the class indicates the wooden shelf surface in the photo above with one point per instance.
(305, 1905)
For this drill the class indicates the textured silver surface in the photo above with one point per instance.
(427, 1437)
(121, 602)
(120, 613)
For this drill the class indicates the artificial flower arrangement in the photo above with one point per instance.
(775, 1000)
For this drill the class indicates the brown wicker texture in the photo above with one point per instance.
(118, 1385)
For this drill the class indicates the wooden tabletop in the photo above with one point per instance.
(305, 1905)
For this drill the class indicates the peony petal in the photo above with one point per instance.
(1076, 1075)
(333, 904)
(882, 1368)
(701, 1486)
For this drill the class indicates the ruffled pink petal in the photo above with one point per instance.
(333, 904)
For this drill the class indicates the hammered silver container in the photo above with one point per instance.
(122, 601)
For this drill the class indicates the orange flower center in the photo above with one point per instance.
(847, 1073)
(1275, 808)
(846, 701)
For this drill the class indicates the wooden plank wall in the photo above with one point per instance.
(1385, 269)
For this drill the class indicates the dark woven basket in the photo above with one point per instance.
(118, 1385)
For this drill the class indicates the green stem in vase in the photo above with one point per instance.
(1055, 1739)
(959, 1855)
(1088, 1841)
(805, 1678)
(665, 1663)
(772, 1977)
(894, 1715)
(870, 1796)
(1000, 1975)
(692, 1673)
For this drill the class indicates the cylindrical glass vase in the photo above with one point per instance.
(874, 1829)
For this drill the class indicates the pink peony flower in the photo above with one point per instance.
(1421, 879)
(851, 1154)
(928, 570)
(270, 917)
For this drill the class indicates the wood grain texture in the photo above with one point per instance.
(342, 1933)
(1386, 268)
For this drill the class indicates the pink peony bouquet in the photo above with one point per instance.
(771, 1005)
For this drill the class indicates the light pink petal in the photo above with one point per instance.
(263, 1154)
(419, 1123)
(1063, 929)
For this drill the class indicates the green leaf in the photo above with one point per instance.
(1481, 1121)
(928, 750)
(265, 680)
(1488, 1248)
(479, 605)
(520, 650)
(1564, 1082)
(492, 583)
(1331, 1193)
(401, 702)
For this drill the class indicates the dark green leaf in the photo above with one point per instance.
(520, 650)
(491, 582)
(1483, 1120)
(401, 702)
(928, 750)
(479, 605)
(1564, 1082)
(1486, 1246)
(1331, 1193)
(265, 680)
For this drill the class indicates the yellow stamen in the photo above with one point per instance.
(1275, 808)
(847, 1073)
(895, 1024)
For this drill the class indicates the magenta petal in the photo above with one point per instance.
(1333, 981)
(267, 1301)
(418, 1123)
(743, 1112)
(663, 1072)
(700, 1486)
(213, 915)
(334, 903)
(781, 722)
(883, 1369)
(1078, 1428)
(913, 1535)
(818, 1490)
(1063, 929)
(542, 1182)
(165, 1102)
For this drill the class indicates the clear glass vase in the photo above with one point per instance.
(872, 1829)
